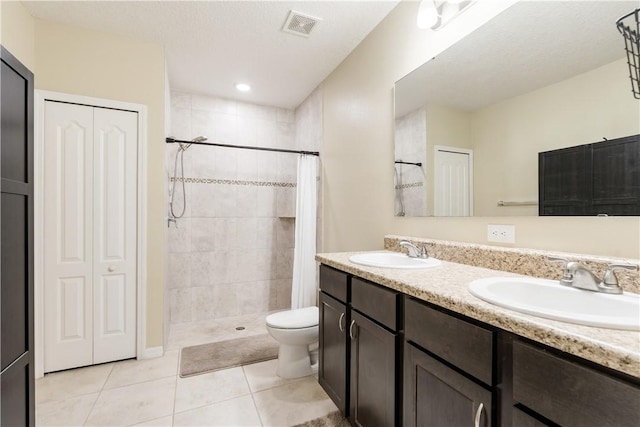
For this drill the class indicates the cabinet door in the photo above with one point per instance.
(564, 184)
(373, 373)
(616, 177)
(16, 230)
(435, 395)
(332, 372)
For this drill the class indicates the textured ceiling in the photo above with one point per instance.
(212, 45)
(528, 46)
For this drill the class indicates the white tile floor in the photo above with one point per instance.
(151, 392)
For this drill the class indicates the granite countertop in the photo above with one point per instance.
(446, 286)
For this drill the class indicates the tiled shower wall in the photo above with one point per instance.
(411, 146)
(232, 251)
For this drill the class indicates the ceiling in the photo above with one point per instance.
(212, 45)
(528, 46)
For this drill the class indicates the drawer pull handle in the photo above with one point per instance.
(476, 422)
(351, 334)
(340, 323)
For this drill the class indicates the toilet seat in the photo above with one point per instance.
(294, 319)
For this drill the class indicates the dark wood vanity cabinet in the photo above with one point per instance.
(373, 330)
(333, 352)
(359, 345)
(448, 369)
(592, 179)
(388, 359)
(569, 393)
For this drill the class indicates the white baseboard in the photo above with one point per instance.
(151, 352)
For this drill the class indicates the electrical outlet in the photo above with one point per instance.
(501, 233)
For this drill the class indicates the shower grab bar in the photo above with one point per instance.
(170, 140)
(526, 203)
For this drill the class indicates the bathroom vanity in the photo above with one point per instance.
(415, 348)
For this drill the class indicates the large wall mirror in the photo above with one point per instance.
(540, 76)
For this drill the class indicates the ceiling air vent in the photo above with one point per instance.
(300, 24)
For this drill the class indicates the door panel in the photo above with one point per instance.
(373, 379)
(14, 275)
(71, 309)
(68, 223)
(114, 278)
(332, 373)
(452, 184)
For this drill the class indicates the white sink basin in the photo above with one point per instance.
(392, 260)
(549, 299)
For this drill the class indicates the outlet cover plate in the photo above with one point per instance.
(501, 233)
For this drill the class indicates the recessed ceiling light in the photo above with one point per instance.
(243, 87)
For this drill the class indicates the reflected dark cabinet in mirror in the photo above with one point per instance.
(602, 178)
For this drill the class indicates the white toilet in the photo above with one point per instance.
(295, 330)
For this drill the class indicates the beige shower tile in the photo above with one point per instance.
(205, 389)
(74, 382)
(293, 403)
(236, 412)
(137, 371)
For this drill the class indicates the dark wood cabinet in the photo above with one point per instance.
(333, 346)
(333, 352)
(16, 231)
(592, 179)
(435, 395)
(402, 361)
(448, 369)
(359, 348)
(571, 394)
(373, 373)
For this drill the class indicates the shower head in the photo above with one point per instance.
(200, 138)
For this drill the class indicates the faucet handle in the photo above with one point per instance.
(610, 278)
(567, 275)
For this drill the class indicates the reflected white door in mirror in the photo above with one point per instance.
(453, 183)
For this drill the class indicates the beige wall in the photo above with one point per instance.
(18, 32)
(358, 153)
(77, 61)
(580, 110)
(449, 127)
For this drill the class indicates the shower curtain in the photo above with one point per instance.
(303, 288)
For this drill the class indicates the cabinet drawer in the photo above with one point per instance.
(570, 394)
(375, 301)
(467, 346)
(334, 282)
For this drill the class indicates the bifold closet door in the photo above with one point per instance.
(90, 235)
(115, 234)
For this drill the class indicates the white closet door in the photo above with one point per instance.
(90, 235)
(68, 231)
(114, 242)
(452, 181)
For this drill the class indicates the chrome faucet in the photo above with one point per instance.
(578, 276)
(413, 251)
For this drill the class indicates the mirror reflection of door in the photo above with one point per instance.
(453, 192)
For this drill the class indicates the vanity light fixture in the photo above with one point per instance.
(427, 14)
(435, 14)
(243, 87)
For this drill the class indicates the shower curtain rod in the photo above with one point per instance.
(246, 147)
(408, 163)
